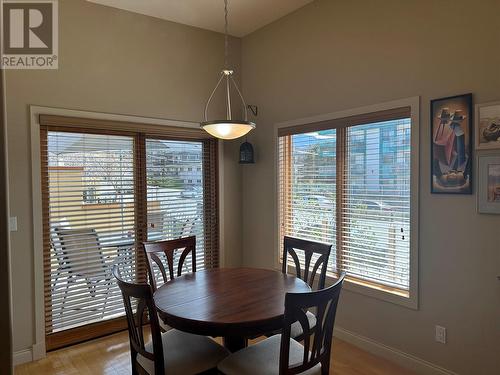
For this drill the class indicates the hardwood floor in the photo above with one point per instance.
(110, 356)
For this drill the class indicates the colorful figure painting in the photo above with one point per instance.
(451, 151)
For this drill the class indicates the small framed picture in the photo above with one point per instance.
(451, 140)
(488, 126)
(488, 197)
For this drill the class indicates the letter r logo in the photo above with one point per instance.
(28, 28)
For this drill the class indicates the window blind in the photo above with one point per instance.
(308, 187)
(104, 191)
(350, 186)
(375, 219)
(179, 203)
(89, 188)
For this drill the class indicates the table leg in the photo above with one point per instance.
(234, 343)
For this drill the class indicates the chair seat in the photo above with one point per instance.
(165, 327)
(296, 328)
(185, 353)
(263, 358)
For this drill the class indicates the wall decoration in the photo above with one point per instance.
(488, 126)
(488, 197)
(451, 151)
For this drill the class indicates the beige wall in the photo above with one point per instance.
(330, 55)
(335, 55)
(117, 62)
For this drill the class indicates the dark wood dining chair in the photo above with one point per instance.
(172, 352)
(318, 250)
(316, 255)
(281, 354)
(154, 251)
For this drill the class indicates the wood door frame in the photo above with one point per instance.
(38, 349)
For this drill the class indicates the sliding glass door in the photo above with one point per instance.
(103, 194)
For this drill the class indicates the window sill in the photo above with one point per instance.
(387, 294)
(372, 290)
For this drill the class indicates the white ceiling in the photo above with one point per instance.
(245, 16)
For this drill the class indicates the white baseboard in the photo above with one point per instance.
(403, 359)
(22, 356)
(39, 351)
(36, 352)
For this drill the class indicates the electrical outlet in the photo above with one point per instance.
(441, 334)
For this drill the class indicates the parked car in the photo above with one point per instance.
(374, 209)
(192, 193)
(321, 201)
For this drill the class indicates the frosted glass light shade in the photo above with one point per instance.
(227, 129)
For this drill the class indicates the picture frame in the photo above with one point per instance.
(488, 197)
(487, 126)
(451, 120)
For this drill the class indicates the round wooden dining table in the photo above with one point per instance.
(234, 303)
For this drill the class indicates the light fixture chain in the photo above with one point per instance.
(226, 42)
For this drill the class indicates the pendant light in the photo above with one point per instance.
(227, 128)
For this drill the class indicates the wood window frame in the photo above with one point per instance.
(139, 131)
(340, 121)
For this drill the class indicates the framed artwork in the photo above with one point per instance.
(488, 197)
(451, 140)
(488, 126)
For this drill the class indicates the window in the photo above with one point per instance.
(104, 192)
(348, 182)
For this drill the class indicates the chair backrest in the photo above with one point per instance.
(318, 339)
(140, 297)
(153, 250)
(80, 250)
(55, 245)
(311, 266)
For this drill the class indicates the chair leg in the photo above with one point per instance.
(133, 361)
(68, 281)
(325, 367)
(108, 288)
(55, 281)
